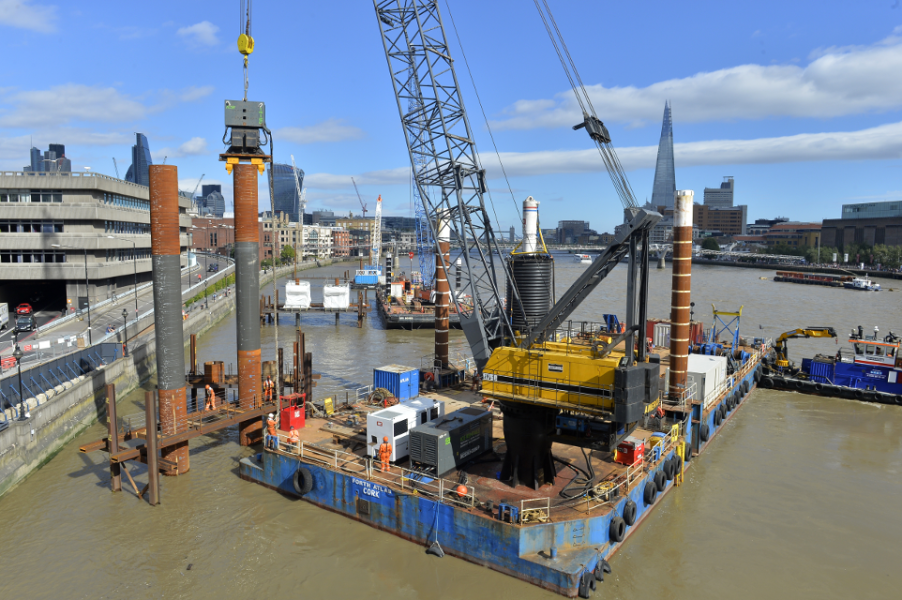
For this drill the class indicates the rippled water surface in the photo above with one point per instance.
(797, 497)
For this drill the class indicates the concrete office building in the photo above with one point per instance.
(141, 161)
(321, 217)
(52, 161)
(48, 221)
(721, 197)
(568, 232)
(728, 221)
(868, 223)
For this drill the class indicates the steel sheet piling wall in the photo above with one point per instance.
(167, 299)
(247, 289)
(442, 294)
(682, 273)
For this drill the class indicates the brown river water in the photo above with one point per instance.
(797, 497)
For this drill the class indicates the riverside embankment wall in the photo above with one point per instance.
(27, 445)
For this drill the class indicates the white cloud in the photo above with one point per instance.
(877, 143)
(331, 130)
(329, 181)
(200, 34)
(71, 102)
(194, 93)
(24, 15)
(196, 146)
(837, 81)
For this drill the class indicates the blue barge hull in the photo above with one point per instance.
(521, 550)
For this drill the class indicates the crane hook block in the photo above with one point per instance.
(245, 44)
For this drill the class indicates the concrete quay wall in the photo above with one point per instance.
(26, 446)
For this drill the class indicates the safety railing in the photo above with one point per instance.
(681, 396)
(443, 490)
(535, 510)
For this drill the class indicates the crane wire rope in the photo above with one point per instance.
(486, 119)
(605, 148)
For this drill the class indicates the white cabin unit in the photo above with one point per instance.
(708, 374)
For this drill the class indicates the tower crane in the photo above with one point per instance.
(194, 193)
(519, 368)
(116, 166)
(359, 198)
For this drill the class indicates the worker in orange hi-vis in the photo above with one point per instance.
(272, 436)
(211, 398)
(385, 454)
(293, 438)
(268, 387)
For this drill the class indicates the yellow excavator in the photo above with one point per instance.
(782, 358)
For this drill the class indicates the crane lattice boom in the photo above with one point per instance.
(444, 159)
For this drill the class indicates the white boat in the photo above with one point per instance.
(863, 284)
(585, 259)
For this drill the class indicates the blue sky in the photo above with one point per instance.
(800, 101)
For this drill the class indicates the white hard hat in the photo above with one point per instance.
(271, 415)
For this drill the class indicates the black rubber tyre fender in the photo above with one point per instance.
(677, 465)
(649, 493)
(704, 432)
(617, 530)
(818, 387)
(746, 387)
(601, 567)
(718, 418)
(660, 481)
(859, 394)
(303, 481)
(586, 585)
(767, 382)
(873, 397)
(670, 469)
(899, 400)
(798, 384)
(757, 376)
(629, 513)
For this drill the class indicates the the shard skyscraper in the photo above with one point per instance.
(665, 179)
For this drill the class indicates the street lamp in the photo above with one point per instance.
(18, 354)
(124, 332)
(87, 288)
(134, 262)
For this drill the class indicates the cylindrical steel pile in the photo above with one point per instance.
(167, 299)
(682, 273)
(247, 292)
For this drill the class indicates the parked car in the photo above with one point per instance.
(4, 316)
(213, 268)
(24, 309)
(25, 323)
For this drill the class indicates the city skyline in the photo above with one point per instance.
(759, 100)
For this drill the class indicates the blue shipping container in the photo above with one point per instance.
(403, 382)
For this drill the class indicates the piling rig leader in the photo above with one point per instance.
(548, 367)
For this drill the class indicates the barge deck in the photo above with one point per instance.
(538, 535)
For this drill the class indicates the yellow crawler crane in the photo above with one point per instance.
(578, 376)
